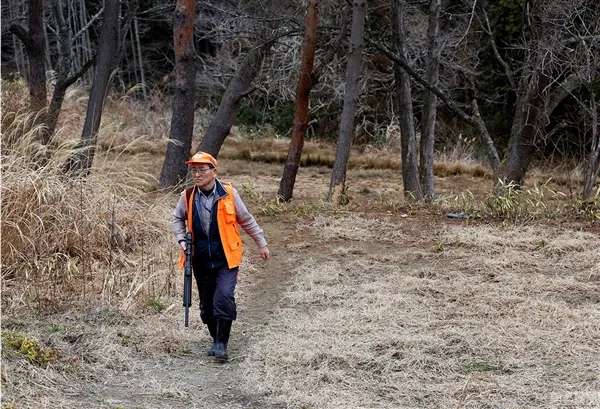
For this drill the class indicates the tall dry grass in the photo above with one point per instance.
(69, 239)
(17, 118)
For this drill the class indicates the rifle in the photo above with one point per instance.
(187, 278)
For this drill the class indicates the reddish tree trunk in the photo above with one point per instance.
(174, 169)
(292, 163)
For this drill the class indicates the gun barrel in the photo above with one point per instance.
(187, 278)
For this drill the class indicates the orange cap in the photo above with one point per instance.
(202, 157)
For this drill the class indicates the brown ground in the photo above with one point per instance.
(379, 305)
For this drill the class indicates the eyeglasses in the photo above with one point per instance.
(200, 170)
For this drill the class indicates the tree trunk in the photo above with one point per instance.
(408, 140)
(174, 169)
(141, 60)
(221, 123)
(34, 41)
(63, 68)
(430, 104)
(522, 141)
(592, 163)
(135, 61)
(292, 163)
(47, 49)
(532, 104)
(58, 96)
(566, 88)
(484, 136)
(80, 162)
(14, 10)
(353, 71)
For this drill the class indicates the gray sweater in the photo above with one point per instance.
(243, 217)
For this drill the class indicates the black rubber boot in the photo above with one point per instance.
(223, 330)
(212, 328)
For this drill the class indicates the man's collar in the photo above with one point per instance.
(217, 189)
(208, 192)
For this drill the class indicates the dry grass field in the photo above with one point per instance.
(377, 304)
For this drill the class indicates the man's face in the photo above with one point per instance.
(204, 176)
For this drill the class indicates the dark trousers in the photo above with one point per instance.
(216, 287)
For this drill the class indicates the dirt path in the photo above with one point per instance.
(195, 380)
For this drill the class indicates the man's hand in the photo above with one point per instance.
(265, 254)
(182, 244)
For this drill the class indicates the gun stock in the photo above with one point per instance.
(187, 278)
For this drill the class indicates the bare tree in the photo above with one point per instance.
(405, 70)
(419, 179)
(584, 54)
(174, 169)
(541, 90)
(301, 117)
(34, 41)
(430, 103)
(240, 85)
(80, 162)
(238, 88)
(342, 154)
(65, 75)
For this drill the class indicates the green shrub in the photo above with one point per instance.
(30, 348)
(591, 206)
(514, 203)
(254, 114)
(156, 305)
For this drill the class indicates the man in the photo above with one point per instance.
(212, 211)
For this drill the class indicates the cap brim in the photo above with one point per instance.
(190, 162)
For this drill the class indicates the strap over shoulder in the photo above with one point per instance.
(228, 188)
(188, 192)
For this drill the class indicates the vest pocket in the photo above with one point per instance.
(234, 245)
(229, 212)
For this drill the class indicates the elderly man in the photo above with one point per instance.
(212, 211)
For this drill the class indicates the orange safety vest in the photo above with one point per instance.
(229, 230)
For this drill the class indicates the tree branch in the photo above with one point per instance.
(470, 22)
(87, 26)
(574, 40)
(71, 80)
(570, 84)
(22, 34)
(248, 92)
(435, 90)
(507, 70)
